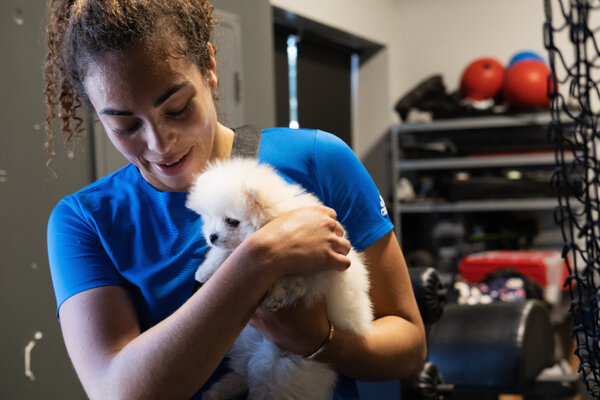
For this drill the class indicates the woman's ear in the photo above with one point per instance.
(211, 70)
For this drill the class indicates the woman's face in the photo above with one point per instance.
(159, 113)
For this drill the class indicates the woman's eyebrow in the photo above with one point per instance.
(170, 92)
(158, 102)
(110, 111)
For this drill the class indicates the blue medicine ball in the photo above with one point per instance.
(525, 55)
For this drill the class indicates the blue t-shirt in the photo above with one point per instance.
(122, 231)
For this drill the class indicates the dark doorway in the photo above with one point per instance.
(324, 68)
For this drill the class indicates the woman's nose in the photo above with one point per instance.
(159, 139)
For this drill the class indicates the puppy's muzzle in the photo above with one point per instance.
(213, 238)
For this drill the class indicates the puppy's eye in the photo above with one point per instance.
(232, 222)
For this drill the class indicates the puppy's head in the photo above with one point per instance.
(227, 196)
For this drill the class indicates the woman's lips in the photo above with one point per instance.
(175, 167)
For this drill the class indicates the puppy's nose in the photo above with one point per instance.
(213, 238)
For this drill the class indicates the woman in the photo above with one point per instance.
(123, 250)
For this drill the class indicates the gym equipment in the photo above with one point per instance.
(525, 55)
(545, 267)
(431, 295)
(527, 84)
(429, 95)
(431, 298)
(574, 131)
(482, 79)
(484, 350)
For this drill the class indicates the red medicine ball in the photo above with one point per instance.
(482, 79)
(526, 85)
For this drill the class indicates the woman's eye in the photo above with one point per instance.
(232, 222)
(128, 131)
(181, 113)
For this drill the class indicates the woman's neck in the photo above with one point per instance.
(223, 142)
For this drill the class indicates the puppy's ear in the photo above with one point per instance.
(260, 203)
(259, 210)
(252, 200)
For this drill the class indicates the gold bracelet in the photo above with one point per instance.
(325, 343)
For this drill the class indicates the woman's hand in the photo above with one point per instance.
(303, 241)
(393, 348)
(299, 328)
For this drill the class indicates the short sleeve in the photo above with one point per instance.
(347, 187)
(77, 259)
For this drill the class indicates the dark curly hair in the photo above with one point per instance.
(80, 30)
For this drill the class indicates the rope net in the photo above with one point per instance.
(574, 57)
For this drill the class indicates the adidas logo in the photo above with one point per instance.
(384, 210)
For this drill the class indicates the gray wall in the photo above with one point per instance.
(258, 82)
(28, 192)
(27, 195)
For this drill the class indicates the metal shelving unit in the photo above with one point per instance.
(474, 125)
(493, 121)
(539, 203)
(521, 160)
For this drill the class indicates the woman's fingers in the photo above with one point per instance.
(339, 229)
(305, 240)
(298, 328)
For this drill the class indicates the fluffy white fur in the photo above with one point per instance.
(235, 198)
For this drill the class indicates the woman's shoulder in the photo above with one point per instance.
(104, 192)
(280, 138)
(305, 138)
(284, 146)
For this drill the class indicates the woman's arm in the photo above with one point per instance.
(395, 347)
(114, 360)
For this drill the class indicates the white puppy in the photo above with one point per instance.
(235, 198)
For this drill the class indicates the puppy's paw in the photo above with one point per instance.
(276, 298)
(202, 275)
(272, 304)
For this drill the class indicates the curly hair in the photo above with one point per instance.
(80, 30)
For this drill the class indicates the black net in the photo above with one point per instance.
(574, 56)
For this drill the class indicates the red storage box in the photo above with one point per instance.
(547, 268)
